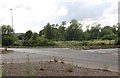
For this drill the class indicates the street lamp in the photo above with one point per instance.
(11, 17)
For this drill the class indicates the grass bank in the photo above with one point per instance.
(90, 44)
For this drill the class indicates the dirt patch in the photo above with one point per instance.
(50, 68)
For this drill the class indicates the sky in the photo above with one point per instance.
(35, 14)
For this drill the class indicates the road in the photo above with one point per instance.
(95, 58)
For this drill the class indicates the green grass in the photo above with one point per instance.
(89, 44)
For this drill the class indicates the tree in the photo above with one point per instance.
(107, 33)
(62, 30)
(34, 39)
(8, 40)
(8, 35)
(114, 29)
(47, 31)
(7, 30)
(95, 31)
(74, 31)
(87, 33)
(28, 35)
(21, 36)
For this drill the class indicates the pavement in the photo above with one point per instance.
(94, 58)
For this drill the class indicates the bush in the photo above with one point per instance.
(84, 43)
(117, 42)
(51, 43)
(109, 37)
(18, 43)
(26, 43)
(42, 41)
(7, 40)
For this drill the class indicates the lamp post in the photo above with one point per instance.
(11, 17)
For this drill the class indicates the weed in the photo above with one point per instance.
(105, 67)
(4, 72)
(29, 68)
(69, 68)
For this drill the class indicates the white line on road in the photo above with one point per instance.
(114, 53)
(101, 52)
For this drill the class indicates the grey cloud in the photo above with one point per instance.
(79, 11)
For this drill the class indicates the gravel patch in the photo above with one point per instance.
(50, 68)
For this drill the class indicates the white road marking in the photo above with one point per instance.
(91, 51)
(101, 52)
(114, 53)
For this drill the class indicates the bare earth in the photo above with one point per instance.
(51, 68)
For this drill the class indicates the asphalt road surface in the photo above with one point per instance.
(95, 58)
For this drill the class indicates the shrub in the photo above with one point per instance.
(42, 41)
(84, 43)
(118, 41)
(18, 43)
(109, 37)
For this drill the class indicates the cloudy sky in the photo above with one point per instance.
(34, 14)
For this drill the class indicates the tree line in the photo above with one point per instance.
(56, 32)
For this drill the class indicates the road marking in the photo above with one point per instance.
(91, 51)
(114, 53)
(101, 52)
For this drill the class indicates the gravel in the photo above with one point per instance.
(51, 68)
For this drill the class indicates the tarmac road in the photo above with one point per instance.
(94, 58)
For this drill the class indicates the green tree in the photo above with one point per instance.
(34, 39)
(7, 30)
(87, 33)
(95, 31)
(28, 35)
(47, 31)
(62, 30)
(74, 31)
(21, 36)
(8, 35)
(108, 33)
(114, 29)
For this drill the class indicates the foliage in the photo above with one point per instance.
(55, 32)
(29, 68)
(42, 41)
(8, 35)
(28, 35)
(109, 37)
(74, 31)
